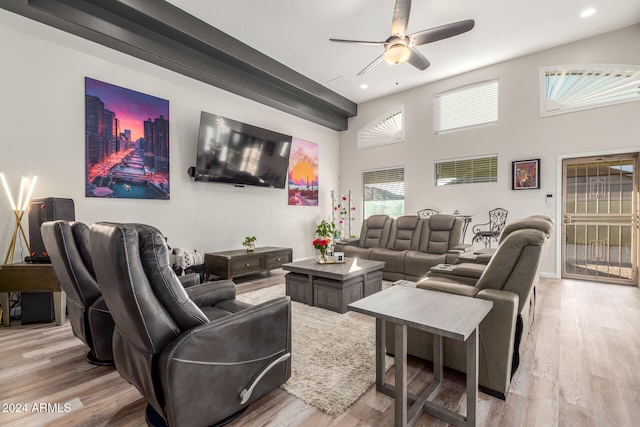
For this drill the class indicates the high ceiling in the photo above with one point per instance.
(296, 33)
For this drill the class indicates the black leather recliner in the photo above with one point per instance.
(197, 355)
(67, 244)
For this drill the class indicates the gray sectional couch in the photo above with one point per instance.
(408, 245)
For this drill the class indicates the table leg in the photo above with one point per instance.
(380, 354)
(401, 375)
(437, 358)
(59, 306)
(4, 302)
(472, 377)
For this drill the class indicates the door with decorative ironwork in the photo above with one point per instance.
(600, 218)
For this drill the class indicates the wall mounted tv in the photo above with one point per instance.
(238, 153)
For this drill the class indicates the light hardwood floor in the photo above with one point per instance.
(581, 367)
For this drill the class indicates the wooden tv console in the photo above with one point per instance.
(239, 262)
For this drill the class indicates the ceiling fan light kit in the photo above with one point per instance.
(397, 54)
(400, 47)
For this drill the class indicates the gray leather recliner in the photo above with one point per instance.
(508, 281)
(197, 355)
(67, 245)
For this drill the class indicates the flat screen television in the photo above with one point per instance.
(239, 153)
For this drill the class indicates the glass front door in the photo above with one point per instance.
(600, 218)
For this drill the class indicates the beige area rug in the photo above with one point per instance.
(333, 355)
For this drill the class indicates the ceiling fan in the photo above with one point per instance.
(400, 47)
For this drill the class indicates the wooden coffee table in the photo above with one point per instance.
(333, 286)
(442, 314)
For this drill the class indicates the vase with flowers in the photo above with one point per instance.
(325, 231)
(322, 245)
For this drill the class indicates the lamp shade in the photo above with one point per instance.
(397, 54)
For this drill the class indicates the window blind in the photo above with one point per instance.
(383, 192)
(568, 88)
(470, 170)
(466, 107)
(385, 129)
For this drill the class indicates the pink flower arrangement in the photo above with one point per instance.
(343, 212)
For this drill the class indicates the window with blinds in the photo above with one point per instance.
(385, 129)
(567, 88)
(383, 192)
(470, 170)
(467, 107)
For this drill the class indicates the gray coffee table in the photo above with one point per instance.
(442, 314)
(333, 286)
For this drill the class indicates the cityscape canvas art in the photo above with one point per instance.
(126, 143)
(303, 173)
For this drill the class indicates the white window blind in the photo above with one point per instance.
(466, 107)
(567, 88)
(385, 129)
(469, 170)
(383, 192)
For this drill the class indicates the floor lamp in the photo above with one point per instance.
(18, 212)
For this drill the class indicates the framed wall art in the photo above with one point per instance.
(126, 143)
(303, 173)
(525, 174)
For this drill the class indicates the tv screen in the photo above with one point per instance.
(238, 153)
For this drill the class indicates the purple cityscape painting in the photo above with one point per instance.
(127, 143)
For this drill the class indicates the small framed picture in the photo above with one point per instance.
(525, 174)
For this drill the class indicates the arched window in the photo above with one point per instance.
(385, 129)
(567, 88)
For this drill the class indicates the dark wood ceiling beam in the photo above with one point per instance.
(158, 32)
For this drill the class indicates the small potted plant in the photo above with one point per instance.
(326, 229)
(249, 243)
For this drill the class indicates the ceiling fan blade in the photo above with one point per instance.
(370, 66)
(358, 42)
(400, 18)
(438, 33)
(418, 60)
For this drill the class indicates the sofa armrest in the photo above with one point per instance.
(497, 337)
(453, 254)
(483, 258)
(341, 244)
(189, 280)
(437, 284)
(211, 293)
(467, 257)
(465, 247)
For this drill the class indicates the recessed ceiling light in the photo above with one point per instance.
(364, 86)
(587, 12)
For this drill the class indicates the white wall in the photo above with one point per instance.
(520, 134)
(42, 121)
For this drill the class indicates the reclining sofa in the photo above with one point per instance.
(509, 281)
(408, 245)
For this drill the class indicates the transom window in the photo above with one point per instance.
(383, 192)
(567, 88)
(466, 107)
(468, 170)
(385, 129)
